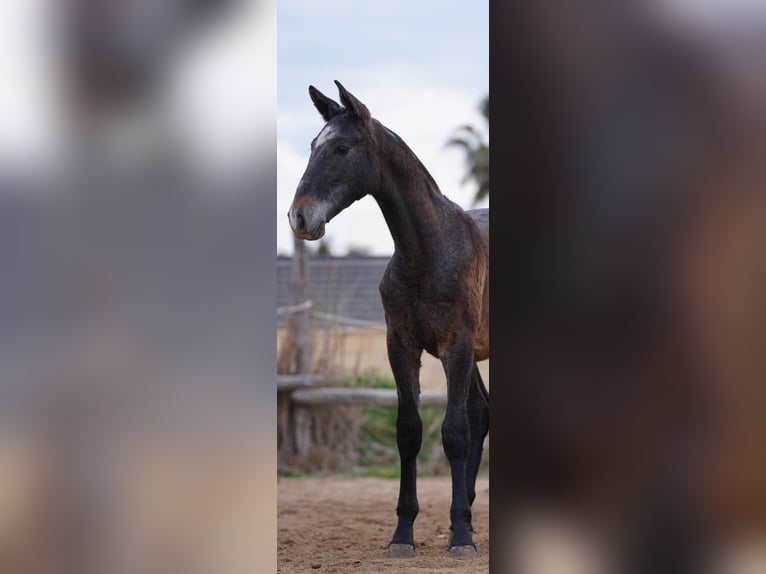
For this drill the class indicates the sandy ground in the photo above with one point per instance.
(344, 525)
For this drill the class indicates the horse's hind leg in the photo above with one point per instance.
(405, 365)
(478, 422)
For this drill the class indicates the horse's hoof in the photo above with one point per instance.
(462, 551)
(401, 551)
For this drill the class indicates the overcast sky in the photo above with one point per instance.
(421, 68)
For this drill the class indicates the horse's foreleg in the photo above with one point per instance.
(478, 422)
(405, 365)
(459, 365)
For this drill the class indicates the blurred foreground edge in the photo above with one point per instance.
(137, 297)
(629, 288)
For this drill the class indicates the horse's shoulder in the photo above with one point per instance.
(391, 280)
(387, 284)
(402, 285)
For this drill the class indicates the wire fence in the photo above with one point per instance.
(308, 306)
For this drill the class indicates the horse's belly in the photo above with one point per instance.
(481, 350)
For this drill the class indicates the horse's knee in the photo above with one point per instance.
(455, 438)
(409, 431)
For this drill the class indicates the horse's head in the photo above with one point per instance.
(341, 168)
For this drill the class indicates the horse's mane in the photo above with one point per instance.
(396, 146)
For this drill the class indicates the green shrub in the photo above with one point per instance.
(376, 450)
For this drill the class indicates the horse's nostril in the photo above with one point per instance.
(300, 221)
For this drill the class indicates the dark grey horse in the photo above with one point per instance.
(435, 291)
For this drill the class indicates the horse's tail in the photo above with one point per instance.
(480, 383)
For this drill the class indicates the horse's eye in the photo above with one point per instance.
(342, 149)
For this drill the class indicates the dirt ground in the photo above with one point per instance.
(343, 525)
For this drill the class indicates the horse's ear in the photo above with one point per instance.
(327, 107)
(354, 106)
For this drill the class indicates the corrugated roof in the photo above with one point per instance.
(346, 286)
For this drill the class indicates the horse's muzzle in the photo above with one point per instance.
(306, 221)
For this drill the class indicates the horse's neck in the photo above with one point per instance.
(413, 207)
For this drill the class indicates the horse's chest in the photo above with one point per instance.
(421, 324)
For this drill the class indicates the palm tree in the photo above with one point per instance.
(474, 143)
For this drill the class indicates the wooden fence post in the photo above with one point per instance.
(298, 349)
